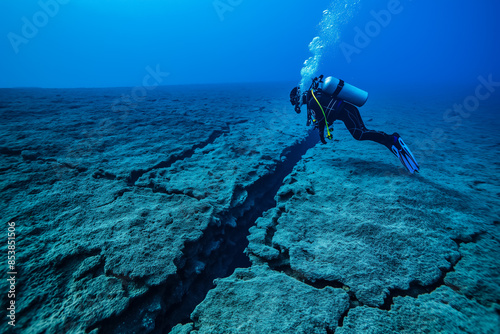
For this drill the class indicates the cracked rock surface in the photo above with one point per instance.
(441, 311)
(416, 254)
(477, 274)
(124, 216)
(331, 225)
(267, 302)
(111, 205)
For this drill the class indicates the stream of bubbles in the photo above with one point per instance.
(334, 18)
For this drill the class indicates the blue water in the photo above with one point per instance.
(93, 44)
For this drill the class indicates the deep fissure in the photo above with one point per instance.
(216, 255)
(229, 254)
(221, 252)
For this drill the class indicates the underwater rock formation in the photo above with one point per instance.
(267, 302)
(414, 254)
(122, 215)
(441, 311)
(125, 217)
(370, 231)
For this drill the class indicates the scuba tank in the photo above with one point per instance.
(344, 91)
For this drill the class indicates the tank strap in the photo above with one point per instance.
(339, 88)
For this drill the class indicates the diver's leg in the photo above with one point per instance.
(352, 120)
(354, 123)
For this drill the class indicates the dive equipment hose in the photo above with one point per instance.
(329, 135)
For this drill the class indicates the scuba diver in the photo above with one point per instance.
(333, 100)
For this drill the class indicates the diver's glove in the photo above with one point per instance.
(330, 131)
(321, 128)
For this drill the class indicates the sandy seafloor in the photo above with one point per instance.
(125, 214)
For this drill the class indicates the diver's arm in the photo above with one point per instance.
(313, 105)
(320, 124)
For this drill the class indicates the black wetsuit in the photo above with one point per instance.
(336, 109)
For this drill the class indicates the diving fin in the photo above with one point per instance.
(400, 150)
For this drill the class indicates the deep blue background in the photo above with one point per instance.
(97, 43)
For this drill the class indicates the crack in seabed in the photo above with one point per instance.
(231, 239)
(416, 288)
(215, 255)
(221, 250)
(136, 174)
